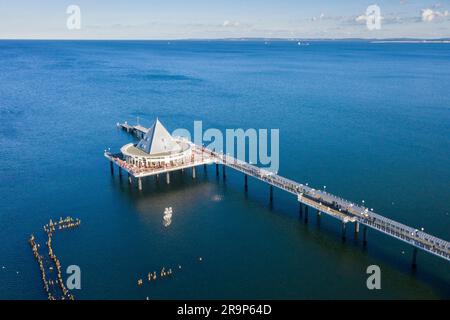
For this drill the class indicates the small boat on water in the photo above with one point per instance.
(168, 214)
(167, 217)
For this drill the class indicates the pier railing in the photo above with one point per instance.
(342, 209)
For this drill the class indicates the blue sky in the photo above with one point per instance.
(174, 19)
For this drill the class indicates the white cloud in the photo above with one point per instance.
(364, 18)
(361, 18)
(228, 23)
(429, 15)
(321, 16)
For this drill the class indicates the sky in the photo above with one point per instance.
(206, 19)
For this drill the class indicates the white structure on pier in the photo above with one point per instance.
(157, 148)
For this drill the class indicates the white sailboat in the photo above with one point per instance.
(167, 216)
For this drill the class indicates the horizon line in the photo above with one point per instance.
(233, 39)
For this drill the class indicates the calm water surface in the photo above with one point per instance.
(369, 121)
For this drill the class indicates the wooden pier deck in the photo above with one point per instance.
(323, 202)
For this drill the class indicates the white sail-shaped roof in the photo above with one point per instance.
(158, 141)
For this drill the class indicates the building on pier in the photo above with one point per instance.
(157, 148)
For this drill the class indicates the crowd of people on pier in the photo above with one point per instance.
(136, 169)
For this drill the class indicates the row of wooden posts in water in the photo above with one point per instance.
(152, 276)
(66, 223)
(45, 266)
(35, 247)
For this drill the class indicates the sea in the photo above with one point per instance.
(367, 121)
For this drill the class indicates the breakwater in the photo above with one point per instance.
(49, 264)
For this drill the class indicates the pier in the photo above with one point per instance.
(322, 202)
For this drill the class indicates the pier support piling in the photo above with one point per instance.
(130, 181)
(224, 174)
(140, 184)
(306, 214)
(300, 210)
(168, 177)
(414, 259)
(356, 229)
(344, 227)
(271, 194)
(204, 167)
(193, 172)
(120, 173)
(365, 236)
(318, 217)
(111, 166)
(217, 169)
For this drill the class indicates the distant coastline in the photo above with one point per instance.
(411, 41)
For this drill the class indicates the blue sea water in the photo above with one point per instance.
(370, 121)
